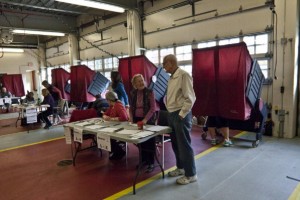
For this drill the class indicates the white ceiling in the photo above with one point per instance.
(48, 15)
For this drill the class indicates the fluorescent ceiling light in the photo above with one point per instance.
(32, 32)
(93, 4)
(11, 50)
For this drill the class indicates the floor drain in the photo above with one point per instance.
(64, 163)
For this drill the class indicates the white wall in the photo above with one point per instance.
(20, 63)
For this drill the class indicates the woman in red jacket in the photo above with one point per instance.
(115, 112)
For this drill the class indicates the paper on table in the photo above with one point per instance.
(128, 132)
(96, 126)
(142, 134)
(109, 129)
(156, 128)
(83, 124)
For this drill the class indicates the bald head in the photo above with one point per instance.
(170, 63)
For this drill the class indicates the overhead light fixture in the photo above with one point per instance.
(11, 50)
(93, 4)
(34, 32)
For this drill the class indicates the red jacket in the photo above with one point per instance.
(117, 110)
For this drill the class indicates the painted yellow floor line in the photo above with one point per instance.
(31, 144)
(296, 193)
(157, 176)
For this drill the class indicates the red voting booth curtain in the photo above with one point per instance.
(14, 84)
(130, 66)
(81, 78)
(60, 78)
(220, 77)
(78, 115)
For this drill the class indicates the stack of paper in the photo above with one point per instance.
(109, 130)
(128, 132)
(141, 134)
(96, 126)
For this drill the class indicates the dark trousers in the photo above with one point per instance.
(43, 116)
(147, 148)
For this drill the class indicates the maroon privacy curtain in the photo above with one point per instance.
(14, 84)
(81, 78)
(220, 77)
(60, 79)
(130, 66)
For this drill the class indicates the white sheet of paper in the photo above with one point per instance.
(96, 126)
(1, 102)
(30, 110)
(142, 134)
(103, 142)
(128, 132)
(82, 123)
(109, 129)
(156, 128)
(68, 137)
(7, 100)
(78, 134)
(31, 118)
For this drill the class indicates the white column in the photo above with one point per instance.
(73, 49)
(134, 33)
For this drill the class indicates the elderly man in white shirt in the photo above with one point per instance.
(179, 102)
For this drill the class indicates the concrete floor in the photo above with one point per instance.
(236, 173)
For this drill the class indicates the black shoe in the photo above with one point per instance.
(47, 126)
(150, 168)
(117, 155)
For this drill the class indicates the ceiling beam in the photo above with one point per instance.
(41, 8)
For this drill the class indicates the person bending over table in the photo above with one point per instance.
(6, 94)
(43, 116)
(115, 112)
(143, 110)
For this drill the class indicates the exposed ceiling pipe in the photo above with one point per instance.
(40, 8)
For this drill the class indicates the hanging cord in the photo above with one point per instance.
(276, 44)
(99, 48)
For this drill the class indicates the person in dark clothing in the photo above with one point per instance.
(54, 91)
(100, 104)
(118, 87)
(5, 94)
(143, 110)
(29, 98)
(43, 116)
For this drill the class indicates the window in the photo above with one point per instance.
(184, 52)
(257, 44)
(115, 63)
(84, 63)
(187, 68)
(164, 52)
(207, 44)
(229, 41)
(152, 55)
(107, 75)
(108, 63)
(263, 63)
(49, 77)
(91, 64)
(98, 65)
(43, 74)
